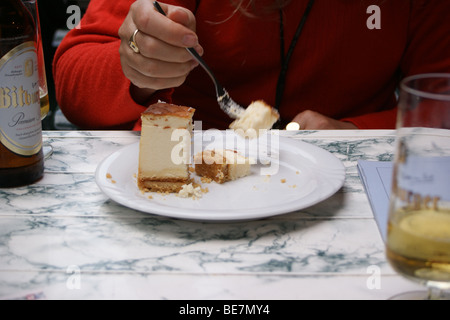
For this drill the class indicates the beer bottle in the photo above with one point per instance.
(21, 157)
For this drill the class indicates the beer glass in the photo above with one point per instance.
(418, 241)
(32, 6)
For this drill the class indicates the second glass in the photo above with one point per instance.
(418, 242)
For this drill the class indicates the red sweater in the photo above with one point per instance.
(339, 68)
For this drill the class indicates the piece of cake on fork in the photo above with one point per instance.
(257, 118)
(164, 150)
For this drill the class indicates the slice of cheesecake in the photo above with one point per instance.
(165, 148)
(258, 116)
(221, 165)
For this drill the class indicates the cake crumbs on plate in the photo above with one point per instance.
(109, 177)
(190, 191)
(283, 180)
(206, 180)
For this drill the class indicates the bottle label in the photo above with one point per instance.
(20, 113)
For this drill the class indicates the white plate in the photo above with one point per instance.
(299, 175)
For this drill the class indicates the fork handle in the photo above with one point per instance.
(219, 89)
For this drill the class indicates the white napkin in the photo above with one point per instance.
(377, 180)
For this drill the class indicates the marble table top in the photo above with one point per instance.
(62, 238)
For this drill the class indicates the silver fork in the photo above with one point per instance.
(231, 108)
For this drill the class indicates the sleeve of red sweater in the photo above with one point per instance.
(428, 51)
(91, 89)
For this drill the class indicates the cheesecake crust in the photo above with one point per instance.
(162, 186)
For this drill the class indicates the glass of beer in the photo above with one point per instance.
(418, 241)
(32, 6)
